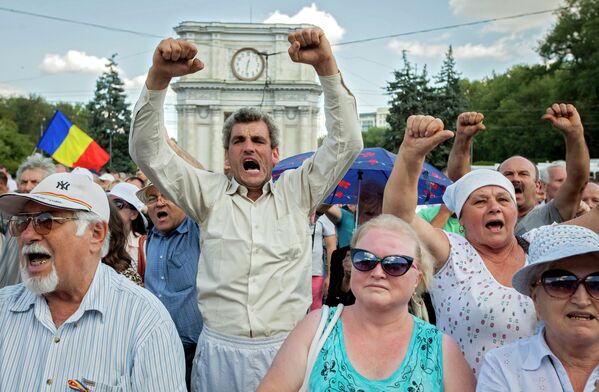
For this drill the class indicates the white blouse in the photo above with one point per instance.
(473, 308)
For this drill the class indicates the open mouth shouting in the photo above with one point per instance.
(518, 188)
(250, 165)
(495, 225)
(35, 255)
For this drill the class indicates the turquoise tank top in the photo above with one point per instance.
(420, 370)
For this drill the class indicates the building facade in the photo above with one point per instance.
(246, 64)
(374, 119)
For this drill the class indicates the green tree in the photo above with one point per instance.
(14, 146)
(374, 137)
(448, 103)
(410, 93)
(572, 47)
(110, 117)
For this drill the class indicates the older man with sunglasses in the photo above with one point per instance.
(562, 278)
(75, 324)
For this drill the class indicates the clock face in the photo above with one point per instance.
(247, 64)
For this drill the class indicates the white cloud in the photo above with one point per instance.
(73, 61)
(135, 83)
(468, 51)
(312, 15)
(472, 10)
(9, 91)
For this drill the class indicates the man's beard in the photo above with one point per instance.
(41, 285)
(38, 285)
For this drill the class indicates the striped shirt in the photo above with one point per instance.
(120, 338)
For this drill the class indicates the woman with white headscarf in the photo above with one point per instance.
(471, 291)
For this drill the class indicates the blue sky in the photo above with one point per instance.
(61, 61)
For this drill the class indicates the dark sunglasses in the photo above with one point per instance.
(393, 265)
(121, 204)
(563, 284)
(42, 223)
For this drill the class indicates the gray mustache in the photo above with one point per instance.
(35, 248)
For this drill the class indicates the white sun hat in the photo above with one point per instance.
(553, 243)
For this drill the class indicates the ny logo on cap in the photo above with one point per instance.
(63, 185)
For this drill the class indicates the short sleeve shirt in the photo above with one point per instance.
(546, 214)
(323, 227)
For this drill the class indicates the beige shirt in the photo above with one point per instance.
(255, 267)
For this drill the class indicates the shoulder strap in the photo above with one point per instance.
(322, 333)
(141, 257)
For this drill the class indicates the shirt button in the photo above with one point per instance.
(159, 295)
(56, 339)
(49, 381)
(162, 277)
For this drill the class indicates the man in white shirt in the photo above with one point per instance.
(254, 273)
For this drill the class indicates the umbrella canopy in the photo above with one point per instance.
(372, 167)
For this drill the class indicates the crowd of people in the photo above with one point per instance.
(176, 278)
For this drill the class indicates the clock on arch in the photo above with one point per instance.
(247, 64)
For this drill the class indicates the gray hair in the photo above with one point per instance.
(392, 223)
(248, 115)
(36, 161)
(544, 173)
(84, 219)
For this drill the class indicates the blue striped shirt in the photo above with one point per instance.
(120, 339)
(171, 270)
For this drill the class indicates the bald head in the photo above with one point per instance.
(590, 195)
(523, 174)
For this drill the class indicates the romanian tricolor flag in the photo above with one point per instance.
(69, 145)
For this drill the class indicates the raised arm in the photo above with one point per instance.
(467, 126)
(565, 118)
(319, 174)
(423, 134)
(160, 159)
(172, 58)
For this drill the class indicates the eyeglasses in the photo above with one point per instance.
(42, 223)
(394, 265)
(563, 284)
(121, 204)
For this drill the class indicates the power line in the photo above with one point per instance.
(78, 22)
(449, 27)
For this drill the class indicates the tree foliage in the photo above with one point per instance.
(413, 93)
(374, 137)
(23, 119)
(110, 116)
(14, 146)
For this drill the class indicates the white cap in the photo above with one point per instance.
(66, 191)
(126, 191)
(84, 172)
(106, 177)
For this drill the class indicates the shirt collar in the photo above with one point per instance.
(236, 187)
(537, 350)
(94, 299)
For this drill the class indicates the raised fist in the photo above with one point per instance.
(470, 123)
(311, 46)
(565, 118)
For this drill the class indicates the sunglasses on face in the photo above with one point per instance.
(121, 204)
(42, 223)
(563, 284)
(394, 265)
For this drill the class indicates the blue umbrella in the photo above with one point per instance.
(373, 166)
